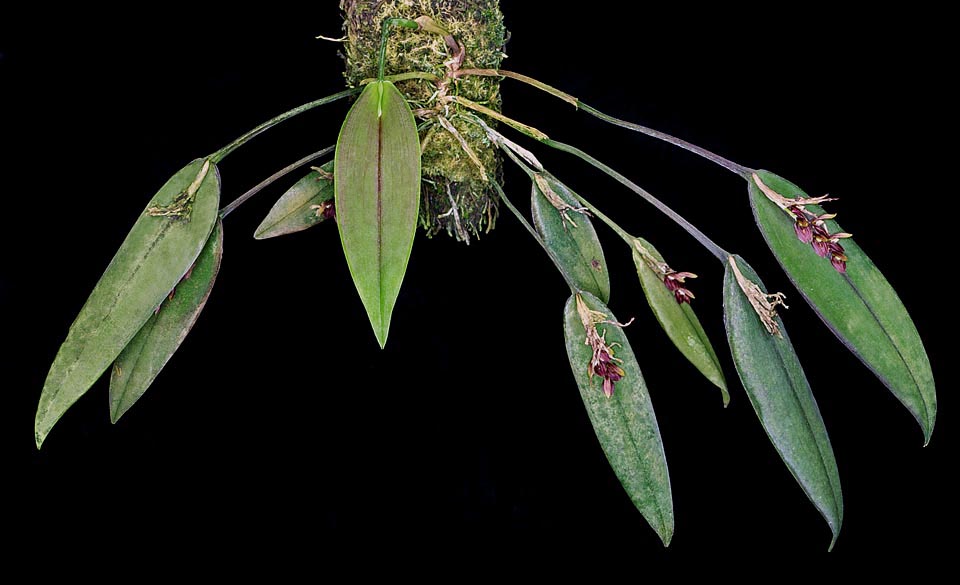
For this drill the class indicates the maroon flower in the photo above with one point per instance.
(606, 368)
(674, 281)
(602, 362)
(810, 227)
(838, 258)
(821, 242)
(802, 225)
(326, 210)
(683, 296)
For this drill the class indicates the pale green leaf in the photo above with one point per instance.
(148, 352)
(377, 186)
(158, 251)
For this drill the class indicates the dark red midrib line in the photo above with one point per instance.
(380, 212)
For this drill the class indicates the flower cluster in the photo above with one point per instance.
(811, 229)
(674, 282)
(603, 365)
(602, 362)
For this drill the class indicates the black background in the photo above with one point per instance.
(279, 414)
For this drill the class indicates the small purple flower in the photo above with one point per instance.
(821, 242)
(683, 296)
(838, 258)
(802, 225)
(602, 362)
(674, 282)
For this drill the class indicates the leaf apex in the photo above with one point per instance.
(666, 535)
(833, 541)
(381, 337)
(725, 394)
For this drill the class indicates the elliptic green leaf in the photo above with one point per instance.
(146, 354)
(774, 380)
(377, 185)
(679, 321)
(576, 248)
(860, 306)
(300, 207)
(625, 423)
(158, 251)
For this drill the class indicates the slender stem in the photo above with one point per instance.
(706, 242)
(709, 244)
(223, 152)
(518, 126)
(715, 158)
(503, 197)
(387, 23)
(406, 76)
(523, 78)
(275, 176)
(610, 223)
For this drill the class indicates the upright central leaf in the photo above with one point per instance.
(377, 191)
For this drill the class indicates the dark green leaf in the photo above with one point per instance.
(299, 208)
(146, 354)
(377, 185)
(678, 320)
(860, 307)
(158, 251)
(626, 424)
(778, 390)
(576, 248)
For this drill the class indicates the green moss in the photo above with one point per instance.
(456, 198)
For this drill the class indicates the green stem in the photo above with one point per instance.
(715, 158)
(706, 242)
(610, 223)
(387, 23)
(223, 152)
(709, 244)
(274, 177)
(503, 197)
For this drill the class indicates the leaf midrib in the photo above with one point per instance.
(806, 421)
(380, 278)
(646, 477)
(840, 336)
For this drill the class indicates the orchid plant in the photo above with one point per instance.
(423, 144)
